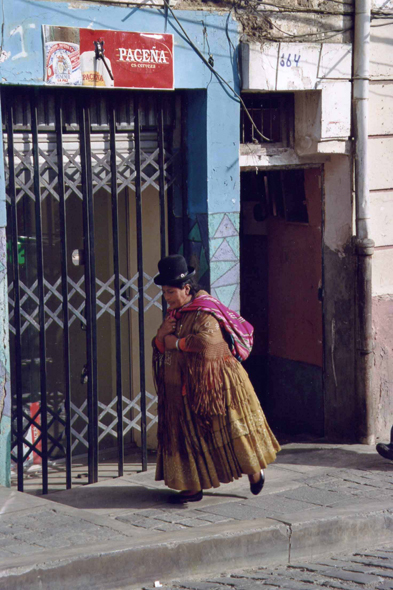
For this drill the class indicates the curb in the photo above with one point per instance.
(204, 551)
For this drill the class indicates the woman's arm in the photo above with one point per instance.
(207, 332)
(167, 327)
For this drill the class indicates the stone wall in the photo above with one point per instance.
(381, 198)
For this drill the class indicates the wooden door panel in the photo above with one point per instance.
(295, 275)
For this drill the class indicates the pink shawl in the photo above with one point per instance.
(239, 331)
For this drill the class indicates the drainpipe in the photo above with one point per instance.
(364, 245)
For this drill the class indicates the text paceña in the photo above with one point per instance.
(142, 55)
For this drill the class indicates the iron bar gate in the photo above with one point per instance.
(89, 176)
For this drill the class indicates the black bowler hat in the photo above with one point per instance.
(173, 270)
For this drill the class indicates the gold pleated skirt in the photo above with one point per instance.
(238, 443)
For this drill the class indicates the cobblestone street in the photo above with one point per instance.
(364, 570)
(319, 500)
(335, 489)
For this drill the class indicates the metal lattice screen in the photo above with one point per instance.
(89, 176)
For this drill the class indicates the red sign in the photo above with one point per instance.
(108, 58)
(129, 60)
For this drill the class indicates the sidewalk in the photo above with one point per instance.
(121, 533)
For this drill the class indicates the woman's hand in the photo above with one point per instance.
(170, 342)
(167, 327)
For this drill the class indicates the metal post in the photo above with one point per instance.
(64, 287)
(141, 307)
(364, 348)
(184, 151)
(91, 328)
(364, 246)
(41, 293)
(361, 66)
(116, 270)
(16, 292)
(5, 394)
(161, 165)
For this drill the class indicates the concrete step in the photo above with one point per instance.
(122, 533)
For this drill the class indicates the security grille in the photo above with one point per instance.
(88, 178)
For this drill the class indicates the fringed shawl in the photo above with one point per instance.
(239, 331)
(204, 365)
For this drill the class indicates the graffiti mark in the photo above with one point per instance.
(4, 55)
(19, 31)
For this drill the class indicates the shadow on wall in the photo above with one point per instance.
(291, 394)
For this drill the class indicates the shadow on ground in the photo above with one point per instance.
(325, 455)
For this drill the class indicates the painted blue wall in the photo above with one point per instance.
(23, 37)
(22, 63)
(213, 114)
(5, 390)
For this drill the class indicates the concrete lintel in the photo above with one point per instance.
(252, 157)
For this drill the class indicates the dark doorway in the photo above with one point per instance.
(281, 294)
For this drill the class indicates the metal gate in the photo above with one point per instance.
(90, 176)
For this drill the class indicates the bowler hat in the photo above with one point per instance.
(173, 270)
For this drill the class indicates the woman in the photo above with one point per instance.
(211, 428)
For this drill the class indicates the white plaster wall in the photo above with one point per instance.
(338, 203)
(380, 163)
(335, 61)
(384, 5)
(336, 108)
(293, 66)
(381, 50)
(380, 148)
(382, 217)
(381, 107)
(383, 271)
(301, 74)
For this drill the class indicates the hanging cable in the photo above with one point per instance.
(288, 9)
(211, 67)
(210, 62)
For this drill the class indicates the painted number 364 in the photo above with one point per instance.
(288, 61)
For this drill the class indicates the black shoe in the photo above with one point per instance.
(183, 498)
(386, 451)
(256, 488)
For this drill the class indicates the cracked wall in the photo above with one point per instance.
(380, 147)
(5, 391)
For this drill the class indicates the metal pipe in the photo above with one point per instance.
(64, 287)
(116, 271)
(364, 348)
(41, 291)
(365, 246)
(141, 304)
(361, 62)
(16, 290)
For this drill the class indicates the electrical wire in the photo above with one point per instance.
(285, 6)
(214, 71)
(289, 9)
(231, 45)
(307, 35)
(209, 63)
